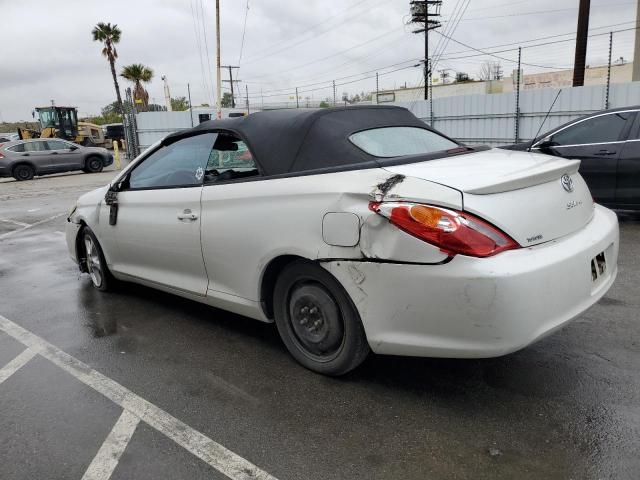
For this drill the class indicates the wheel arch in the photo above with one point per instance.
(268, 279)
(24, 162)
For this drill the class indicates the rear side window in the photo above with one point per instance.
(399, 141)
(17, 148)
(604, 128)
(37, 146)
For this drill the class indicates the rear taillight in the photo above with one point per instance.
(452, 231)
(1, 155)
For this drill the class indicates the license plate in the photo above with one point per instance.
(598, 266)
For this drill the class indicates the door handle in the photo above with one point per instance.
(25, 154)
(187, 214)
(54, 153)
(605, 152)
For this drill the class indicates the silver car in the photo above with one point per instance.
(23, 159)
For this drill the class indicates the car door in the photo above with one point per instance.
(628, 184)
(229, 198)
(157, 229)
(597, 141)
(64, 155)
(36, 152)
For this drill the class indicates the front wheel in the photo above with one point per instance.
(317, 320)
(95, 262)
(93, 165)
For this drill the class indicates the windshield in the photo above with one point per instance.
(48, 118)
(399, 141)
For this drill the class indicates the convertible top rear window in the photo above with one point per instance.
(399, 141)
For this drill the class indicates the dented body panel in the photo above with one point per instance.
(480, 307)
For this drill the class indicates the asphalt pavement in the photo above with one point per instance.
(142, 384)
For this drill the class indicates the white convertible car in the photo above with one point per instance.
(354, 229)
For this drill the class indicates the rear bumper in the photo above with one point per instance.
(474, 307)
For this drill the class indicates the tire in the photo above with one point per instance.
(23, 172)
(317, 320)
(93, 165)
(95, 263)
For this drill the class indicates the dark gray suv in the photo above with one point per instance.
(24, 159)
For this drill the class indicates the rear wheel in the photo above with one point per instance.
(23, 172)
(93, 165)
(95, 262)
(317, 320)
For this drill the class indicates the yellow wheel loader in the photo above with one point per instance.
(62, 122)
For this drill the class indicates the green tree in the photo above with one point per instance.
(226, 100)
(179, 104)
(138, 74)
(109, 36)
(324, 104)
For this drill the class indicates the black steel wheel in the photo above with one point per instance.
(317, 320)
(23, 172)
(95, 263)
(94, 165)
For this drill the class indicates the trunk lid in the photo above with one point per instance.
(534, 198)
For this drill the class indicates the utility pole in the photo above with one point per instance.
(444, 74)
(190, 106)
(421, 12)
(635, 75)
(167, 95)
(378, 85)
(246, 91)
(231, 81)
(297, 103)
(334, 93)
(606, 101)
(219, 83)
(581, 43)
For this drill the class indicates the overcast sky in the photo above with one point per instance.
(48, 53)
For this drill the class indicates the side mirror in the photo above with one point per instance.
(73, 147)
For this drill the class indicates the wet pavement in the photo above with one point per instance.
(567, 407)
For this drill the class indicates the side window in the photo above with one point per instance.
(181, 164)
(230, 159)
(37, 146)
(17, 148)
(57, 145)
(605, 128)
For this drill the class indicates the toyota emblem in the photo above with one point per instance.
(567, 182)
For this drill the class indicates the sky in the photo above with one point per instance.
(48, 53)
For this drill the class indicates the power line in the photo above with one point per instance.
(274, 52)
(206, 42)
(309, 29)
(196, 31)
(341, 52)
(244, 30)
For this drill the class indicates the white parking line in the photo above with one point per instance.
(15, 222)
(14, 365)
(222, 459)
(4, 235)
(107, 458)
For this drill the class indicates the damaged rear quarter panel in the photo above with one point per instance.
(383, 241)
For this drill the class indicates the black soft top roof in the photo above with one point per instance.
(299, 140)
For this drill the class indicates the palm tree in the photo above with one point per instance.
(138, 73)
(109, 35)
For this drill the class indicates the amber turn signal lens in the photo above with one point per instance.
(426, 215)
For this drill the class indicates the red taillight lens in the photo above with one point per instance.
(1, 155)
(452, 231)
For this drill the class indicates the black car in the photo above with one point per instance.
(608, 144)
